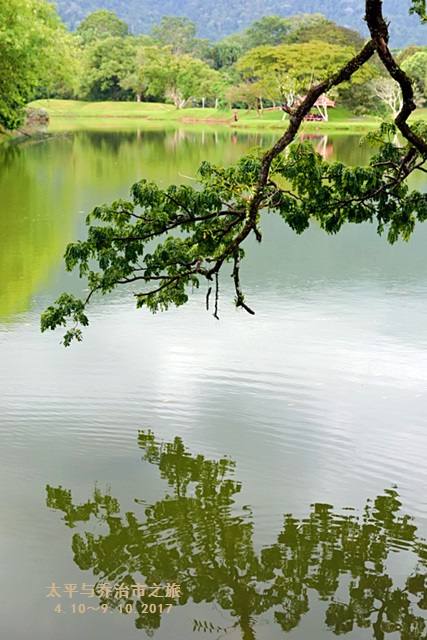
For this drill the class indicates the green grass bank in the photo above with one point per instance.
(340, 120)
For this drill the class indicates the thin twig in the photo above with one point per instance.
(207, 298)
(215, 314)
(240, 299)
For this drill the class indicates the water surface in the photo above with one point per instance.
(271, 466)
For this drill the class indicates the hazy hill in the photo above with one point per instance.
(218, 18)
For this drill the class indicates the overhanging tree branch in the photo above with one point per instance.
(200, 231)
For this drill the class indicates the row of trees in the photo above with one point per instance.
(269, 63)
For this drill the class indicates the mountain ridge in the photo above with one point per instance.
(218, 19)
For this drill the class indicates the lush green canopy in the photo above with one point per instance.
(327, 31)
(101, 24)
(285, 70)
(270, 30)
(105, 62)
(160, 73)
(32, 54)
(176, 32)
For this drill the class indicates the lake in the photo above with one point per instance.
(178, 476)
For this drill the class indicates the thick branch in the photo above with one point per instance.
(379, 34)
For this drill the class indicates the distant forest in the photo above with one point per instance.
(216, 19)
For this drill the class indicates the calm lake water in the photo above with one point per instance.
(267, 473)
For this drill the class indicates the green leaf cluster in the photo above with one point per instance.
(335, 194)
(419, 7)
(67, 307)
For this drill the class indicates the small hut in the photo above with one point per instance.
(322, 104)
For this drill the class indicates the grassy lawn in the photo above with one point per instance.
(340, 120)
(76, 108)
(419, 114)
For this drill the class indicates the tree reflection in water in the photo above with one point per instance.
(192, 538)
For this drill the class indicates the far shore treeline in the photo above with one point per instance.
(271, 63)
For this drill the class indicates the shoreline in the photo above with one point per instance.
(340, 120)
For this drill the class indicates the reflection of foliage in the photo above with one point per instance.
(192, 538)
(30, 220)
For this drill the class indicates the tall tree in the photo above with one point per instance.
(389, 94)
(274, 30)
(177, 32)
(33, 53)
(189, 78)
(106, 63)
(284, 71)
(101, 24)
(217, 219)
(225, 53)
(327, 31)
(407, 52)
(246, 94)
(270, 30)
